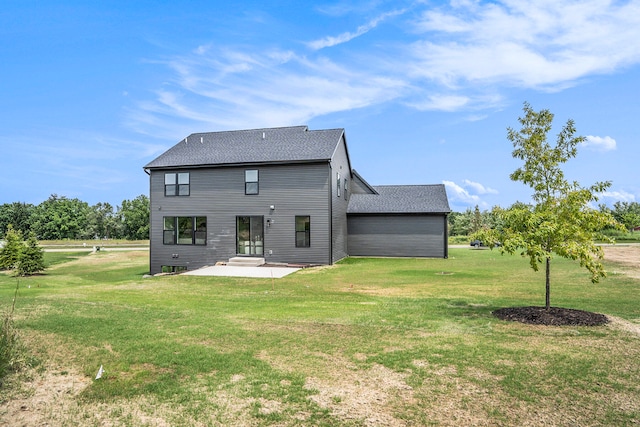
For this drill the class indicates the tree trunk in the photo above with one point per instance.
(548, 285)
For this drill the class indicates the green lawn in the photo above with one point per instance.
(366, 342)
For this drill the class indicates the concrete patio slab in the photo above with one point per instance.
(232, 271)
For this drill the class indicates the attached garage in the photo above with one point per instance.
(399, 221)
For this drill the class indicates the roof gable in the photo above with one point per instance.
(268, 145)
(397, 199)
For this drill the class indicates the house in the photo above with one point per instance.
(286, 195)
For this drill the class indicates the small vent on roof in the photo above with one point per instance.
(263, 135)
(201, 140)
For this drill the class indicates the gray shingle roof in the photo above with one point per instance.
(401, 199)
(286, 144)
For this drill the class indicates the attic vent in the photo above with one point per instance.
(201, 140)
(263, 135)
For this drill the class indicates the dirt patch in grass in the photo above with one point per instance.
(361, 396)
(46, 397)
(618, 323)
(626, 256)
(115, 259)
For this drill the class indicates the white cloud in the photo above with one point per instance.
(457, 193)
(542, 44)
(223, 89)
(348, 36)
(459, 56)
(599, 143)
(619, 196)
(440, 103)
(479, 188)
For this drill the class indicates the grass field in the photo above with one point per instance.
(397, 342)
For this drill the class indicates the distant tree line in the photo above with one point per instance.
(59, 218)
(473, 220)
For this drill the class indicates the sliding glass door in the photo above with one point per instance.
(250, 232)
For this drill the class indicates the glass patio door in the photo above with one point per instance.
(250, 232)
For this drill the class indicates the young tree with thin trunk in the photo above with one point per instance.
(560, 221)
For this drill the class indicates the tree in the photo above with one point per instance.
(134, 218)
(101, 222)
(12, 249)
(476, 220)
(18, 215)
(31, 258)
(627, 213)
(60, 218)
(560, 222)
(460, 223)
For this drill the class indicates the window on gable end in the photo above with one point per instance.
(346, 188)
(338, 184)
(251, 185)
(303, 231)
(176, 184)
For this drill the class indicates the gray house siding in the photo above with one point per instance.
(339, 165)
(219, 194)
(397, 235)
(297, 176)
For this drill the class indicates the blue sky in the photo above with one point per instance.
(92, 91)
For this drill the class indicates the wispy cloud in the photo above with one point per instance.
(60, 156)
(461, 56)
(619, 196)
(348, 36)
(600, 143)
(226, 89)
(479, 188)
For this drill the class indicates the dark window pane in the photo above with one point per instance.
(201, 230)
(201, 237)
(169, 223)
(185, 230)
(303, 231)
(251, 188)
(183, 178)
(170, 190)
(183, 190)
(169, 237)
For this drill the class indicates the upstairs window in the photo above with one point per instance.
(185, 230)
(176, 184)
(338, 183)
(303, 231)
(346, 188)
(251, 181)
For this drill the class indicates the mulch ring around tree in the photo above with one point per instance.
(554, 316)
